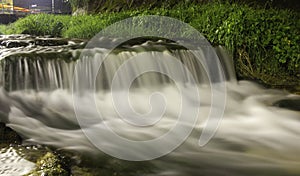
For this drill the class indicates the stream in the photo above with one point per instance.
(56, 93)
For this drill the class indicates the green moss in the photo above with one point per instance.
(49, 165)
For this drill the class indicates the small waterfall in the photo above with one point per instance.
(23, 73)
(255, 137)
(32, 71)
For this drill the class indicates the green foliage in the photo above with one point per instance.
(93, 6)
(42, 24)
(2, 29)
(269, 37)
(85, 26)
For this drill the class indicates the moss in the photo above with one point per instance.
(50, 165)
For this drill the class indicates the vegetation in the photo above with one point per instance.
(92, 6)
(264, 42)
(50, 165)
(2, 29)
(40, 25)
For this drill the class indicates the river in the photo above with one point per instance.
(52, 94)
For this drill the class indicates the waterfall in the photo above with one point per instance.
(256, 136)
(32, 71)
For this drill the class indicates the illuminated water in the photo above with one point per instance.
(255, 137)
(13, 162)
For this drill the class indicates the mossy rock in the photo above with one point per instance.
(50, 165)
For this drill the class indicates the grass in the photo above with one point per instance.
(3, 29)
(262, 41)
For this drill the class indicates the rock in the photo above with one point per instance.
(8, 136)
(292, 104)
(50, 165)
(15, 43)
(80, 171)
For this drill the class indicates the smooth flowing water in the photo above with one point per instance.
(256, 136)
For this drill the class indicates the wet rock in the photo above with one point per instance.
(8, 136)
(50, 165)
(16, 41)
(81, 171)
(50, 42)
(15, 44)
(111, 167)
(292, 104)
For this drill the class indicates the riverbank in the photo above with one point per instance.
(263, 42)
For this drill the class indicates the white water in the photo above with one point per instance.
(12, 162)
(254, 137)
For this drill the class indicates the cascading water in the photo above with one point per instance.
(255, 137)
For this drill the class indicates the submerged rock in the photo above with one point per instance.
(292, 104)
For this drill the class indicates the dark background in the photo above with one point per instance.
(45, 5)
